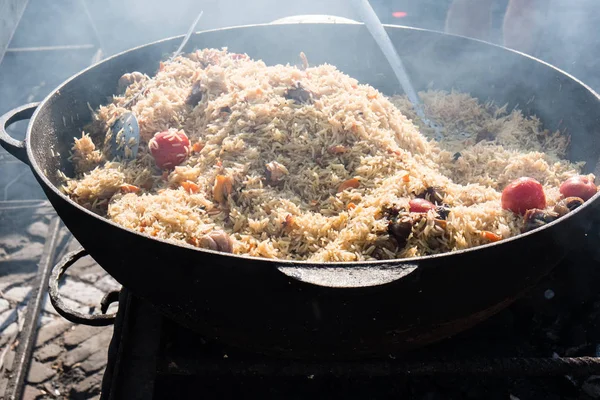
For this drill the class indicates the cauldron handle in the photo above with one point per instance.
(15, 147)
(72, 315)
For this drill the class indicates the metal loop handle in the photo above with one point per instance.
(66, 312)
(13, 146)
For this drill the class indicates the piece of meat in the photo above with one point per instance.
(129, 78)
(195, 95)
(299, 94)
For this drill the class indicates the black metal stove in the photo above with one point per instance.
(514, 353)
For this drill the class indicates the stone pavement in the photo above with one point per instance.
(69, 359)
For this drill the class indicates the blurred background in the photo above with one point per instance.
(43, 42)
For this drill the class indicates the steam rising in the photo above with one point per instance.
(561, 32)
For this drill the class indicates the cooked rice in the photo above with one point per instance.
(342, 135)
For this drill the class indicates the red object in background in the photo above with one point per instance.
(399, 14)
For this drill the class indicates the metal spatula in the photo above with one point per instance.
(125, 139)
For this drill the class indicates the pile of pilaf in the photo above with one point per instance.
(306, 163)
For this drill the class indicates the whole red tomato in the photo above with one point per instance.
(169, 148)
(523, 194)
(420, 205)
(578, 186)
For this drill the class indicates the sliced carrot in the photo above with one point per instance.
(222, 188)
(289, 222)
(350, 183)
(491, 236)
(441, 223)
(197, 147)
(190, 187)
(259, 91)
(193, 241)
(406, 178)
(126, 188)
(351, 206)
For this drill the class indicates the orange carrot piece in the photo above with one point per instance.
(222, 188)
(197, 147)
(491, 236)
(441, 223)
(350, 183)
(126, 188)
(190, 187)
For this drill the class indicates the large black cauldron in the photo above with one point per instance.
(333, 310)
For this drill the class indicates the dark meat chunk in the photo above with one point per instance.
(275, 173)
(567, 205)
(484, 134)
(433, 194)
(195, 95)
(299, 94)
(380, 252)
(443, 211)
(400, 229)
(391, 212)
(536, 218)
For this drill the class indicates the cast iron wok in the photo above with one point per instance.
(344, 310)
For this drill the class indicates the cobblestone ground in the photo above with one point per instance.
(69, 359)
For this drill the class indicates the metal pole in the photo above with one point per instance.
(11, 12)
(50, 48)
(27, 337)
